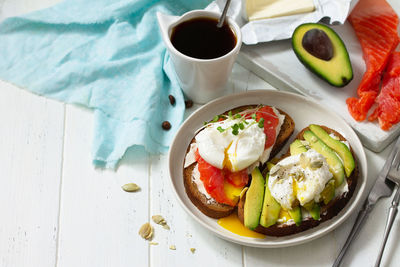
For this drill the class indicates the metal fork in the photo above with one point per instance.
(393, 175)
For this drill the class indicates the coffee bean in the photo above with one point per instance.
(171, 99)
(188, 103)
(166, 125)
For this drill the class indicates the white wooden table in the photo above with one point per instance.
(56, 209)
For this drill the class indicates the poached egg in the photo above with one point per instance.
(300, 177)
(220, 147)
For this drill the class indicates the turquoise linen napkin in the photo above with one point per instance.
(106, 55)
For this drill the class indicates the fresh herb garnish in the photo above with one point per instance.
(215, 119)
(220, 129)
(253, 116)
(238, 116)
(230, 114)
(235, 129)
(241, 126)
(261, 123)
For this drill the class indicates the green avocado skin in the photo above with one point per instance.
(254, 200)
(340, 148)
(271, 208)
(295, 213)
(337, 71)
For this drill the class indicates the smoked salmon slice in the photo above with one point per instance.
(375, 24)
(388, 100)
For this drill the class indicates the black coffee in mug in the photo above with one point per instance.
(201, 38)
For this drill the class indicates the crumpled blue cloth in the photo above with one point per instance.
(107, 55)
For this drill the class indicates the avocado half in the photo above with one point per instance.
(321, 50)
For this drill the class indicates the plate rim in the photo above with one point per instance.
(352, 206)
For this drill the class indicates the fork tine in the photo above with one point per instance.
(394, 171)
(396, 161)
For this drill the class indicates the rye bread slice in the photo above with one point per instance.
(212, 208)
(327, 211)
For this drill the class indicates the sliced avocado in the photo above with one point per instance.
(295, 213)
(270, 165)
(297, 147)
(254, 200)
(271, 208)
(309, 205)
(341, 149)
(335, 164)
(313, 208)
(329, 192)
(315, 212)
(321, 50)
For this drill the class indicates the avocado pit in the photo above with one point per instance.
(317, 43)
(320, 49)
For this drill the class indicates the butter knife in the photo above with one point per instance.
(382, 188)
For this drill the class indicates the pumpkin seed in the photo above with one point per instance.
(304, 161)
(316, 164)
(131, 187)
(158, 219)
(146, 231)
(244, 190)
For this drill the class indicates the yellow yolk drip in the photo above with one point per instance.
(231, 191)
(233, 224)
(284, 216)
(227, 163)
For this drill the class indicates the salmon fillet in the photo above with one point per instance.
(388, 110)
(375, 24)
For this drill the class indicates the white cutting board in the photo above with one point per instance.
(276, 63)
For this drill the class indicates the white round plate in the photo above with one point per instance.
(304, 111)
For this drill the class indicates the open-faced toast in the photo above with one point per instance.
(327, 210)
(211, 207)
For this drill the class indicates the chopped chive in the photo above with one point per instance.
(205, 123)
(238, 116)
(253, 116)
(246, 122)
(215, 119)
(261, 123)
(230, 114)
(241, 126)
(220, 129)
(235, 129)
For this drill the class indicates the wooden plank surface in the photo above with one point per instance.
(56, 209)
(31, 143)
(99, 222)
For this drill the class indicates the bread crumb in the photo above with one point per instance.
(193, 250)
(172, 247)
(153, 243)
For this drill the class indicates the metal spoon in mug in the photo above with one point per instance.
(223, 15)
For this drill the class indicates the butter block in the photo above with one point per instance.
(263, 9)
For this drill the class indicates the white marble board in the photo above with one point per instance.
(276, 63)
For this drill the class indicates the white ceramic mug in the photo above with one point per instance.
(200, 79)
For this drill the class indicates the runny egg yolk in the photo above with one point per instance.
(233, 224)
(231, 191)
(227, 160)
(284, 216)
